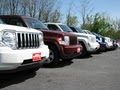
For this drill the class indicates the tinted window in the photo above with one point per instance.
(73, 29)
(79, 30)
(34, 23)
(53, 27)
(16, 22)
(89, 32)
(85, 32)
(65, 28)
(1, 22)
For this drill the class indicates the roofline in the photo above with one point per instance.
(53, 23)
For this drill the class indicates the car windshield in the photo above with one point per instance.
(88, 32)
(1, 22)
(34, 23)
(96, 34)
(65, 28)
(79, 30)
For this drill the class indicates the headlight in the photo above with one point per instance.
(67, 40)
(90, 39)
(99, 39)
(41, 38)
(64, 41)
(8, 38)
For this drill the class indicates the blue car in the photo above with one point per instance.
(101, 40)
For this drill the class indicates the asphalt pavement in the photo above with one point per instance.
(97, 72)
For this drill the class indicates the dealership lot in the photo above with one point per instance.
(97, 72)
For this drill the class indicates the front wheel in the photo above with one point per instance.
(53, 59)
(84, 51)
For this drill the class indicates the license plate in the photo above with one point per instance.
(36, 57)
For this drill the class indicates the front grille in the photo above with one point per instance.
(93, 39)
(28, 40)
(103, 39)
(73, 40)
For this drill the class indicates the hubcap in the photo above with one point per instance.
(51, 57)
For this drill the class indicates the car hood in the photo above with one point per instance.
(52, 32)
(17, 28)
(92, 38)
(82, 34)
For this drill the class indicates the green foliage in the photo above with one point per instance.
(44, 10)
(117, 35)
(71, 20)
(101, 24)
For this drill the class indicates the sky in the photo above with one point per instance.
(111, 7)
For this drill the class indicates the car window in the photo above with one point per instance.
(34, 23)
(16, 22)
(79, 30)
(73, 29)
(1, 22)
(85, 32)
(65, 28)
(89, 32)
(53, 27)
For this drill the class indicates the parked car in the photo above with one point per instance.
(109, 43)
(18, 52)
(114, 42)
(88, 42)
(62, 45)
(118, 43)
(101, 40)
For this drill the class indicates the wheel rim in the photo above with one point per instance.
(51, 57)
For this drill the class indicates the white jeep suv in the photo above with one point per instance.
(109, 43)
(21, 49)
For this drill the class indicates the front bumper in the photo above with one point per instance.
(12, 59)
(92, 47)
(102, 47)
(109, 46)
(70, 51)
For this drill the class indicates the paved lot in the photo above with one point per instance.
(98, 72)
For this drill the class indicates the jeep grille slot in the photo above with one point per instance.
(103, 39)
(93, 39)
(73, 40)
(27, 40)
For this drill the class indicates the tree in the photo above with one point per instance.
(89, 23)
(101, 24)
(32, 7)
(49, 11)
(24, 7)
(2, 7)
(55, 16)
(85, 10)
(70, 19)
(13, 6)
(116, 24)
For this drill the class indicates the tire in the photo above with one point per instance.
(53, 57)
(84, 52)
(67, 60)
